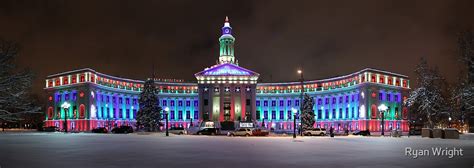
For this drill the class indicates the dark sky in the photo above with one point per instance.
(273, 38)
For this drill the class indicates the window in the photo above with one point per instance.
(395, 98)
(257, 103)
(347, 98)
(188, 115)
(373, 78)
(404, 83)
(180, 115)
(320, 112)
(333, 113)
(381, 79)
(298, 115)
(380, 96)
(319, 101)
(265, 103)
(171, 102)
(340, 99)
(265, 115)
(196, 103)
(127, 114)
(327, 100)
(120, 100)
(273, 115)
(257, 113)
(171, 115)
(340, 113)
(353, 114)
(180, 103)
(288, 103)
(273, 103)
(333, 100)
(282, 115)
(247, 102)
(66, 97)
(206, 102)
(74, 96)
(127, 101)
(196, 115)
(282, 103)
(353, 97)
(188, 103)
(288, 114)
(135, 113)
(164, 103)
(297, 102)
(347, 113)
(326, 114)
(388, 97)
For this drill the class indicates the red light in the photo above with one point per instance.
(50, 98)
(81, 94)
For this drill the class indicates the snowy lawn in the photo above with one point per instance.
(107, 150)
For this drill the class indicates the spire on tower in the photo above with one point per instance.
(226, 19)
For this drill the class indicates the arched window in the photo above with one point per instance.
(405, 113)
(373, 111)
(82, 111)
(50, 113)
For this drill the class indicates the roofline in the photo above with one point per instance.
(335, 78)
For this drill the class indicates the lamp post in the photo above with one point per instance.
(382, 108)
(301, 98)
(65, 106)
(449, 123)
(294, 121)
(166, 119)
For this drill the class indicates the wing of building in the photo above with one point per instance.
(227, 95)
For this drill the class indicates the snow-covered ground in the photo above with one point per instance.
(83, 150)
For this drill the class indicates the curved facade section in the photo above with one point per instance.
(228, 96)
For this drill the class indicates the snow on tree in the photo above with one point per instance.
(463, 93)
(307, 114)
(427, 98)
(149, 114)
(15, 85)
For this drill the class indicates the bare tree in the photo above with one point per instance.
(14, 85)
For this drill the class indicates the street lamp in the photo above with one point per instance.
(65, 106)
(449, 124)
(166, 119)
(294, 121)
(301, 97)
(382, 108)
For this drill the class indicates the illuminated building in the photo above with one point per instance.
(226, 92)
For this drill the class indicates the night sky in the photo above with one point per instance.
(273, 38)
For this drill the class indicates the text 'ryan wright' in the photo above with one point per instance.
(435, 151)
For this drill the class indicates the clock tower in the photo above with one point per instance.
(226, 54)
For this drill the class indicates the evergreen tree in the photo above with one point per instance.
(307, 115)
(463, 92)
(427, 98)
(149, 114)
(15, 99)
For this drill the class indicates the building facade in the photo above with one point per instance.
(228, 94)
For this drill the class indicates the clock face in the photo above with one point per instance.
(226, 31)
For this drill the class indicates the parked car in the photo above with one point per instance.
(122, 130)
(363, 133)
(260, 132)
(100, 130)
(51, 129)
(315, 131)
(177, 130)
(241, 132)
(208, 131)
